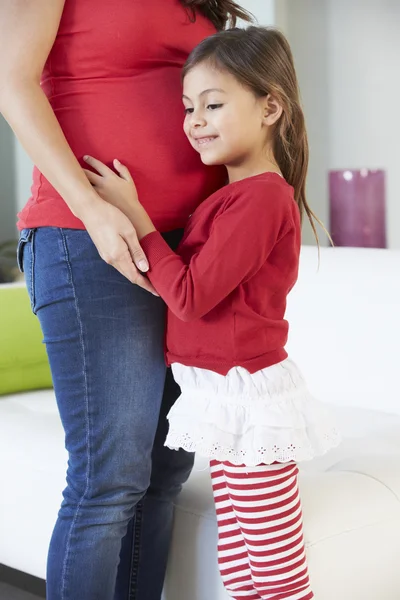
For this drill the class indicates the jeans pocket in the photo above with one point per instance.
(26, 261)
(24, 237)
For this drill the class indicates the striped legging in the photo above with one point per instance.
(261, 552)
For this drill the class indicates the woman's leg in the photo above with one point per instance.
(104, 338)
(266, 503)
(233, 559)
(145, 548)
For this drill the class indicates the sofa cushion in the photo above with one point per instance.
(23, 358)
(344, 326)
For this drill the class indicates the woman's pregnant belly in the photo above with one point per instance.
(137, 119)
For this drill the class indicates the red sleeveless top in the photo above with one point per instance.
(113, 78)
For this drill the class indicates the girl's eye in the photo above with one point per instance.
(214, 106)
(188, 111)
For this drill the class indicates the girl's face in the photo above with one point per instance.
(225, 122)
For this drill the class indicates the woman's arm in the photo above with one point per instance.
(27, 32)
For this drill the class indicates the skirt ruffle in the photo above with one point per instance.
(249, 419)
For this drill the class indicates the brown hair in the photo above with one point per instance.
(220, 12)
(260, 58)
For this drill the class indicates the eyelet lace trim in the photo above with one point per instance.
(295, 451)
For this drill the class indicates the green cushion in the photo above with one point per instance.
(23, 359)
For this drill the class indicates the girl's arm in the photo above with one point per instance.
(28, 29)
(241, 239)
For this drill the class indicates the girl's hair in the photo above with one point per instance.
(220, 12)
(260, 58)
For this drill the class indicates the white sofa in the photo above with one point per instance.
(345, 335)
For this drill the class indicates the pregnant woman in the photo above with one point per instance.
(98, 77)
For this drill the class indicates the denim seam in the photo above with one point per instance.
(32, 290)
(86, 399)
(135, 559)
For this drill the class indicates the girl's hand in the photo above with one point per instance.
(120, 191)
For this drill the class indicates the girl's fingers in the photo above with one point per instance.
(122, 170)
(98, 166)
(93, 177)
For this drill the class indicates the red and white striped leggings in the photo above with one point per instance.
(261, 552)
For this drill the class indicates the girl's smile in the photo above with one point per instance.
(226, 123)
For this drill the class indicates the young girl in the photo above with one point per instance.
(244, 403)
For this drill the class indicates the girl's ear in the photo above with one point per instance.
(272, 110)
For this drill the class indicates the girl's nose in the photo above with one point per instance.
(197, 120)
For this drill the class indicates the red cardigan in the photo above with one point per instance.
(226, 286)
(113, 79)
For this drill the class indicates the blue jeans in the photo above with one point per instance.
(104, 338)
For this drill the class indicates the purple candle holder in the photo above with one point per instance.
(358, 208)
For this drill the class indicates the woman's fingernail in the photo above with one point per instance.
(85, 157)
(143, 266)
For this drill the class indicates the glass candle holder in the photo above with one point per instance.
(357, 200)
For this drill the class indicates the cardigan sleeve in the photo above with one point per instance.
(241, 238)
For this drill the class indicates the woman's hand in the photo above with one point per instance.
(120, 191)
(116, 241)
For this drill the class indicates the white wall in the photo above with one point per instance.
(347, 55)
(263, 10)
(7, 187)
(305, 24)
(364, 73)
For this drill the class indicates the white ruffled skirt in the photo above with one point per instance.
(249, 419)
